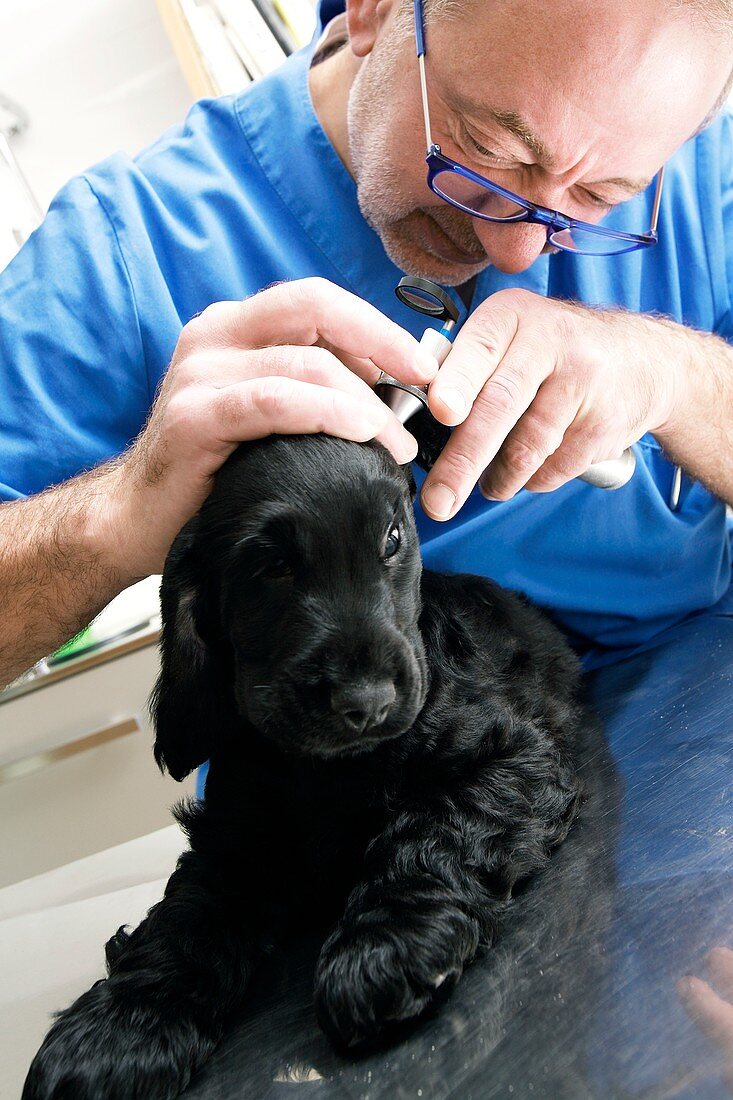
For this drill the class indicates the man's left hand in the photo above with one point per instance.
(540, 389)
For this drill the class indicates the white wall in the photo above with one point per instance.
(94, 76)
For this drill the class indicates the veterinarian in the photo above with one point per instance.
(136, 351)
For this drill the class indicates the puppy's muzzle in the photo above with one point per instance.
(337, 695)
(363, 705)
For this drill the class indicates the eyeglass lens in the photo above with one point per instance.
(484, 203)
(474, 198)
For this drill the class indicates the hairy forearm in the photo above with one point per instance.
(698, 436)
(55, 571)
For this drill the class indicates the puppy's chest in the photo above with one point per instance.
(311, 825)
(338, 815)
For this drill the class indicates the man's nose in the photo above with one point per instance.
(512, 247)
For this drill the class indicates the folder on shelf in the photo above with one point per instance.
(224, 44)
(250, 35)
(220, 59)
(276, 25)
(299, 17)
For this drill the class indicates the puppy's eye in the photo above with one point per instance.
(392, 544)
(276, 569)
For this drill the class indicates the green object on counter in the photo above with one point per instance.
(81, 641)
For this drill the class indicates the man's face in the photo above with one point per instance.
(573, 105)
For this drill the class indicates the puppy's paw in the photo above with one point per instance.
(372, 976)
(107, 1045)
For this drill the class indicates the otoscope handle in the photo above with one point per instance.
(612, 473)
(436, 344)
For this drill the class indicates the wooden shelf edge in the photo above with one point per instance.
(185, 48)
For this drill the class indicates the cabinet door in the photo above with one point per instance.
(77, 772)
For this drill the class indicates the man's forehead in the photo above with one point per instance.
(466, 105)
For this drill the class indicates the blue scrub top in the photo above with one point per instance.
(247, 191)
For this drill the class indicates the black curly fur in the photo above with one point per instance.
(404, 819)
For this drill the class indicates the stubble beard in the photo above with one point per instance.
(391, 213)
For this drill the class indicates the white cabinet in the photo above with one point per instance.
(77, 772)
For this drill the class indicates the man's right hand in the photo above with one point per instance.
(299, 357)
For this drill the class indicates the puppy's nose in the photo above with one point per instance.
(363, 704)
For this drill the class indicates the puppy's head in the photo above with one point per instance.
(291, 603)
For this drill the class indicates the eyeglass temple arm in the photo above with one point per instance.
(657, 199)
(420, 42)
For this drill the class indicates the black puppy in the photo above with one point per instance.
(391, 751)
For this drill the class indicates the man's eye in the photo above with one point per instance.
(392, 544)
(496, 158)
(594, 200)
(481, 148)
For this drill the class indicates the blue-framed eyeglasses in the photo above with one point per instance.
(481, 198)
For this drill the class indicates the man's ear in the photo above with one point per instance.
(191, 704)
(364, 19)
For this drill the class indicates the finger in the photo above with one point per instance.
(286, 406)
(228, 366)
(364, 369)
(710, 1012)
(224, 366)
(477, 351)
(474, 444)
(537, 436)
(311, 311)
(321, 367)
(586, 441)
(720, 967)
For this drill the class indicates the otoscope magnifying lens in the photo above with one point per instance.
(420, 300)
(427, 297)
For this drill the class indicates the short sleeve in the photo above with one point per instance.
(74, 388)
(720, 225)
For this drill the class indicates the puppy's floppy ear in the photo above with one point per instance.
(193, 690)
(407, 469)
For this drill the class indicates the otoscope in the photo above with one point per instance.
(410, 403)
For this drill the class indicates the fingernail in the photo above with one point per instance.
(428, 364)
(454, 401)
(438, 500)
(407, 450)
